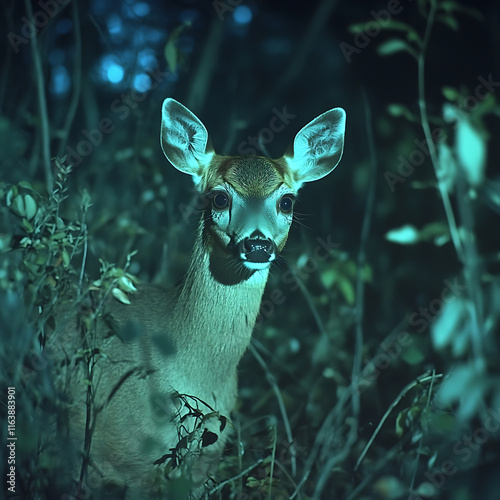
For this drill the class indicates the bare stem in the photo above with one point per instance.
(420, 380)
(77, 77)
(272, 381)
(42, 104)
(428, 134)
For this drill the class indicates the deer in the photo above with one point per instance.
(163, 396)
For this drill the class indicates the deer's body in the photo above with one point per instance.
(189, 340)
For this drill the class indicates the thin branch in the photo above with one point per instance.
(421, 439)
(310, 303)
(84, 260)
(428, 135)
(235, 478)
(420, 380)
(353, 390)
(77, 78)
(467, 253)
(42, 104)
(281, 404)
(273, 460)
(333, 420)
(368, 478)
(315, 27)
(206, 66)
(365, 233)
(8, 58)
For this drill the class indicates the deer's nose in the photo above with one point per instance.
(258, 250)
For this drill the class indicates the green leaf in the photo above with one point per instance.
(27, 226)
(357, 27)
(126, 284)
(411, 34)
(65, 258)
(452, 6)
(471, 152)
(395, 45)
(30, 206)
(450, 323)
(367, 274)
(18, 206)
(26, 185)
(442, 422)
(451, 94)
(329, 277)
(404, 235)
(413, 355)
(347, 290)
(395, 109)
(120, 296)
(172, 52)
(434, 230)
(448, 20)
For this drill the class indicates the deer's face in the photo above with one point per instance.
(250, 209)
(250, 198)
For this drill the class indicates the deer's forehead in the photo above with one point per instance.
(251, 176)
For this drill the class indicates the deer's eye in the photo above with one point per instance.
(220, 200)
(286, 204)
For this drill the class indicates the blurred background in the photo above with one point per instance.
(406, 301)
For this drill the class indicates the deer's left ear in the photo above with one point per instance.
(317, 148)
(184, 139)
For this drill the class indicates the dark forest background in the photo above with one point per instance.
(378, 375)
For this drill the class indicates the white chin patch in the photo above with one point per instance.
(256, 266)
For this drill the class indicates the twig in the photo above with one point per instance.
(42, 104)
(378, 466)
(353, 393)
(310, 303)
(84, 261)
(365, 233)
(273, 459)
(338, 414)
(321, 436)
(235, 478)
(421, 439)
(428, 135)
(284, 416)
(300, 56)
(467, 253)
(77, 77)
(8, 58)
(420, 380)
(207, 63)
(472, 272)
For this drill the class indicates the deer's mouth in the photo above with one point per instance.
(256, 253)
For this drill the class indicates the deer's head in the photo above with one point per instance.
(250, 198)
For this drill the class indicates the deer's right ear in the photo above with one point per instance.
(317, 148)
(184, 139)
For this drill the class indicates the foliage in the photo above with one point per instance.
(373, 372)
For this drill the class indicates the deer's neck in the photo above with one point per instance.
(218, 304)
